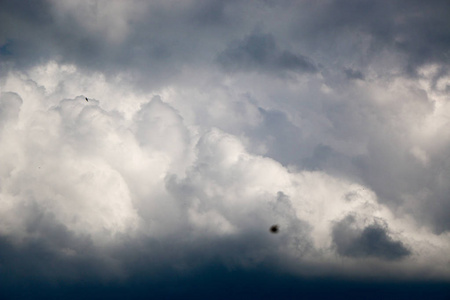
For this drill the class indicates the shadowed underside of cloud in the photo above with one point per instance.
(221, 283)
(55, 262)
(417, 30)
(162, 37)
(259, 52)
(371, 241)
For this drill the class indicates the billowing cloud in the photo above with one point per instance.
(205, 126)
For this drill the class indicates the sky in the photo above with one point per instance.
(207, 122)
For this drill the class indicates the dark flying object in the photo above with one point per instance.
(274, 228)
(86, 99)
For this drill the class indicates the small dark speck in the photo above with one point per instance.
(274, 228)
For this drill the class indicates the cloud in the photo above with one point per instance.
(417, 31)
(206, 125)
(145, 190)
(259, 52)
(371, 241)
(353, 74)
(9, 107)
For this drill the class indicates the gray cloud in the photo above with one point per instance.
(354, 74)
(51, 253)
(10, 104)
(260, 52)
(371, 241)
(169, 37)
(415, 29)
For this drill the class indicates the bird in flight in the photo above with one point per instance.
(274, 228)
(86, 99)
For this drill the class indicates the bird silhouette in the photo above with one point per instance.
(86, 99)
(274, 228)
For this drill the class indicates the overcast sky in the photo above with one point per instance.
(207, 123)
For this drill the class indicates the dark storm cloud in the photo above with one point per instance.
(26, 31)
(159, 39)
(372, 241)
(218, 282)
(50, 252)
(99, 40)
(222, 283)
(147, 40)
(416, 29)
(259, 52)
(53, 261)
